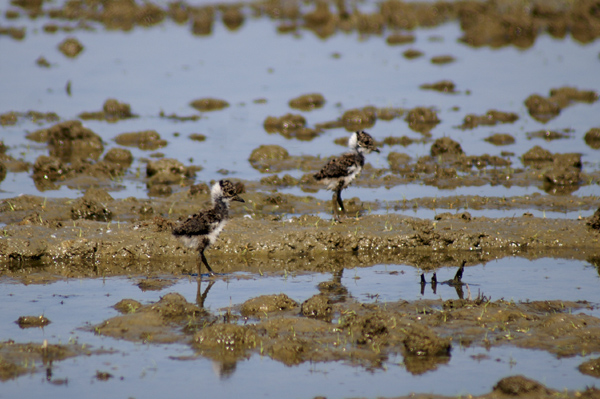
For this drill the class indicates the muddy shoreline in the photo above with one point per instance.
(49, 232)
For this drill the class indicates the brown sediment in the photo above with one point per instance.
(24, 358)
(209, 104)
(70, 141)
(290, 126)
(500, 139)
(398, 38)
(491, 118)
(144, 140)
(442, 59)
(422, 119)
(547, 135)
(544, 109)
(308, 102)
(32, 321)
(359, 119)
(423, 331)
(118, 246)
(592, 138)
(444, 86)
(484, 24)
(112, 111)
(71, 47)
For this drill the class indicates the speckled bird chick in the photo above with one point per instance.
(202, 229)
(341, 171)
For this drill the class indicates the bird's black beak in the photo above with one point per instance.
(237, 198)
(376, 150)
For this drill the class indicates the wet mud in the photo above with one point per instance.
(45, 239)
(332, 326)
(18, 359)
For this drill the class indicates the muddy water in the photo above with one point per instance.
(486, 117)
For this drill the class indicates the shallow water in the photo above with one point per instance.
(227, 65)
(140, 369)
(145, 371)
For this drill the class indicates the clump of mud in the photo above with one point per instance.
(359, 119)
(442, 59)
(166, 172)
(151, 323)
(209, 104)
(563, 170)
(398, 161)
(144, 140)
(318, 307)
(592, 138)
(547, 135)
(501, 139)
(11, 118)
(396, 39)
(92, 206)
(412, 54)
(197, 137)
(445, 146)
(202, 21)
(225, 341)
(591, 367)
(290, 126)
(262, 157)
(491, 118)
(233, 17)
(32, 321)
(520, 386)
(112, 111)
(444, 86)
(284, 181)
(119, 156)
(263, 305)
(422, 119)
(308, 102)
(544, 109)
(69, 141)
(594, 220)
(71, 47)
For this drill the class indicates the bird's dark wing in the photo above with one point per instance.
(198, 224)
(338, 167)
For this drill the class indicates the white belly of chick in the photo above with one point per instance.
(216, 230)
(353, 171)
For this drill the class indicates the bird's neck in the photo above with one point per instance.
(220, 205)
(359, 153)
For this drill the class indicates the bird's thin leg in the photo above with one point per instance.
(203, 259)
(338, 204)
(339, 200)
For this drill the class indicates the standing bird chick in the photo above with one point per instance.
(341, 171)
(202, 229)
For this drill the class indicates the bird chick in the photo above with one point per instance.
(338, 173)
(202, 229)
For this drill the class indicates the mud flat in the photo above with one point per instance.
(478, 143)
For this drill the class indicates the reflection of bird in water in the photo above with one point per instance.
(456, 282)
(341, 171)
(224, 369)
(201, 296)
(202, 229)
